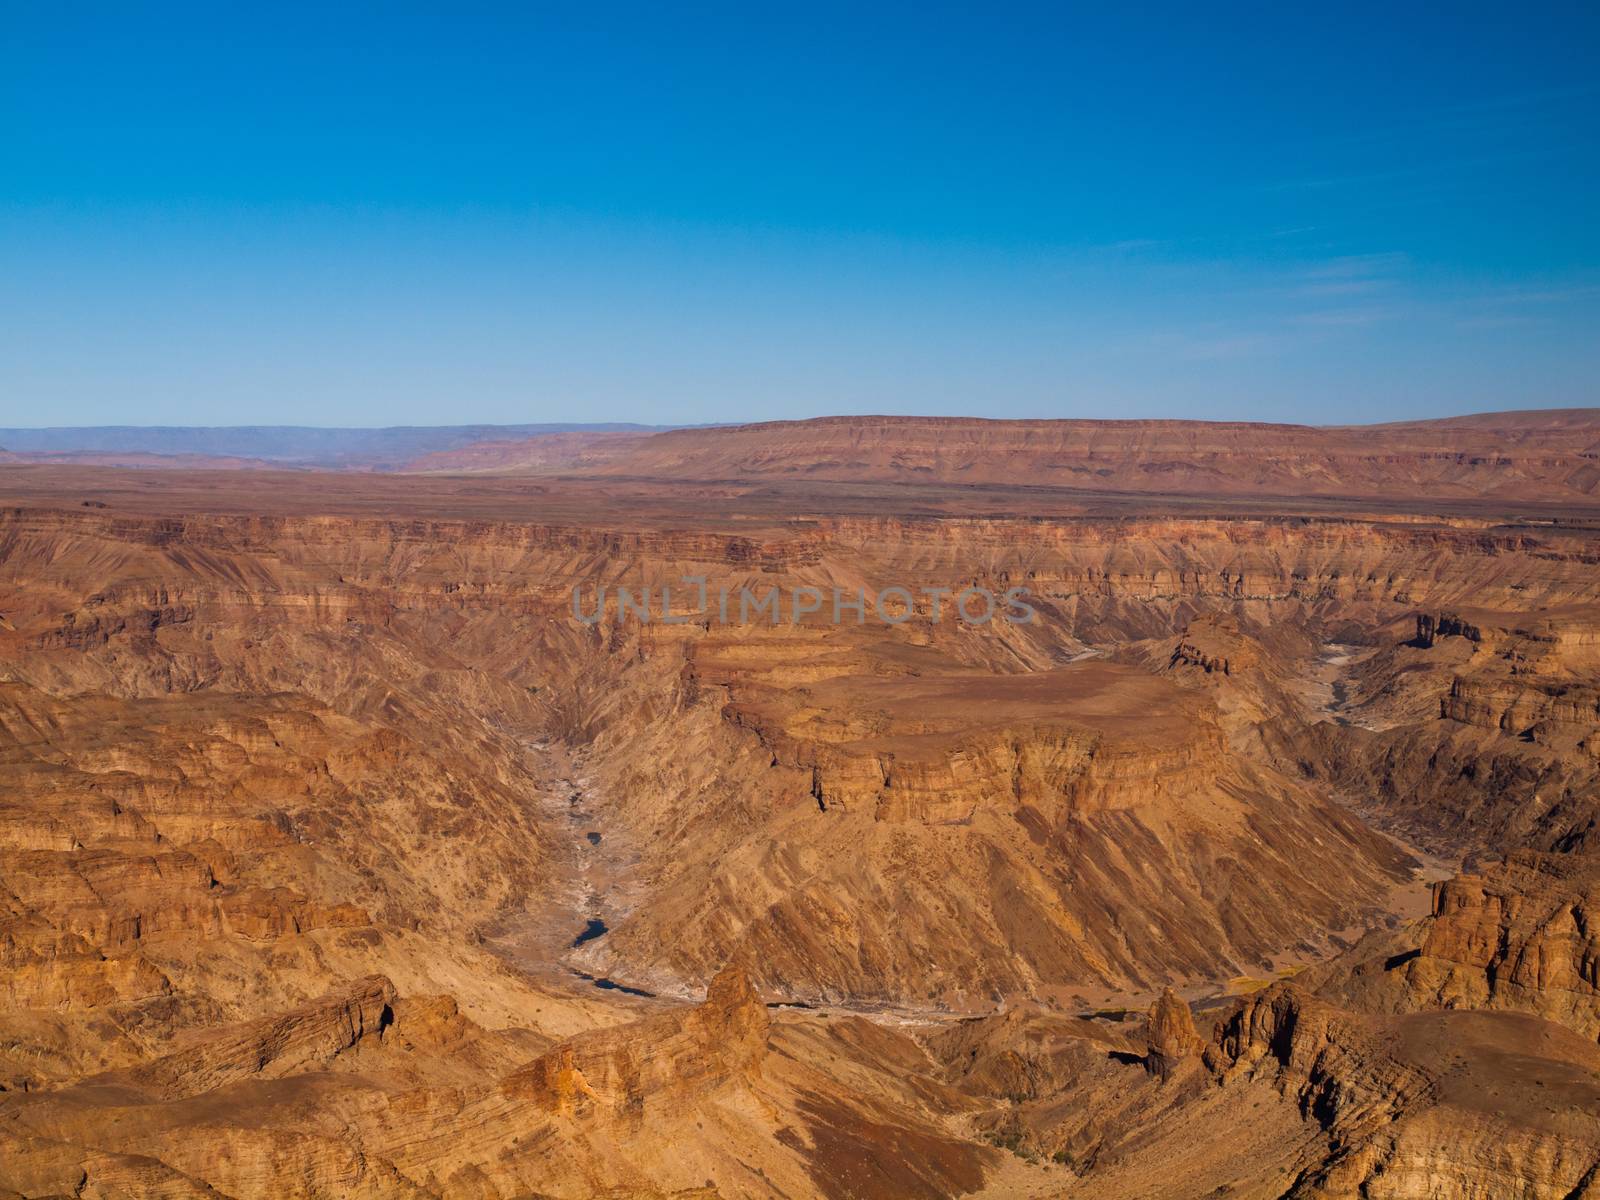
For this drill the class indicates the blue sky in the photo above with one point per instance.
(385, 214)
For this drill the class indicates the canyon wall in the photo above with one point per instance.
(307, 820)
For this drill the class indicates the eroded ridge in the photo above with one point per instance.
(337, 858)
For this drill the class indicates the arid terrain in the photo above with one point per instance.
(341, 855)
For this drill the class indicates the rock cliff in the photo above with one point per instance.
(338, 859)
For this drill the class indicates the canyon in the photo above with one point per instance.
(338, 859)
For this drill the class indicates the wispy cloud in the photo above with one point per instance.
(1528, 295)
(1344, 287)
(1349, 277)
(1211, 343)
(1358, 266)
(1499, 321)
(1522, 307)
(1344, 317)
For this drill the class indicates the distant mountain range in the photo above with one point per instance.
(299, 445)
(1550, 455)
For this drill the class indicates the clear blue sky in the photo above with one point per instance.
(390, 213)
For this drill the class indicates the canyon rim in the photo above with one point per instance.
(340, 860)
(860, 601)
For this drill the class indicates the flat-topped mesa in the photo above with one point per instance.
(1505, 454)
(1057, 771)
(1089, 737)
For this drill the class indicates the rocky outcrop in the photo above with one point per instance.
(1530, 676)
(1430, 628)
(1214, 644)
(553, 1082)
(653, 1062)
(1420, 1104)
(1341, 1070)
(1172, 1036)
(308, 1038)
(1550, 712)
(1483, 743)
(1520, 935)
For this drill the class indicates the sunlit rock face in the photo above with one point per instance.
(338, 857)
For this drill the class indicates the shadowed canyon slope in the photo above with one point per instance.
(341, 855)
